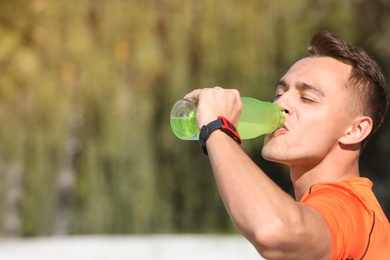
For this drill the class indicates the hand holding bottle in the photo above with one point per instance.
(214, 102)
(257, 117)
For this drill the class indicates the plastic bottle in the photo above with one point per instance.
(257, 118)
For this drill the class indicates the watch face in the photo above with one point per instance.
(230, 130)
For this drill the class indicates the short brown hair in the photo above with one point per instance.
(366, 85)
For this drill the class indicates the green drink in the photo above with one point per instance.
(257, 118)
(183, 120)
(185, 128)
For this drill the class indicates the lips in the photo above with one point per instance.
(281, 130)
(284, 127)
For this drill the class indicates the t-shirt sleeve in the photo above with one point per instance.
(346, 217)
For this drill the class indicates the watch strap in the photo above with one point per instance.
(221, 123)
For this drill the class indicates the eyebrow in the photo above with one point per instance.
(301, 85)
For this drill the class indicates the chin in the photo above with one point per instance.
(276, 158)
(271, 152)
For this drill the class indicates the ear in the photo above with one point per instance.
(358, 131)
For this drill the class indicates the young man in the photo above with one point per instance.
(334, 99)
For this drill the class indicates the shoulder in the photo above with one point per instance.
(351, 198)
(350, 211)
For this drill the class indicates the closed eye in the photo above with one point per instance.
(281, 88)
(279, 93)
(307, 99)
(277, 96)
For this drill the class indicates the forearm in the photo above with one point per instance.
(250, 197)
(263, 212)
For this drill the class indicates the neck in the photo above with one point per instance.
(303, 177)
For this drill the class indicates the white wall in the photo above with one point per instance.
(145, 247)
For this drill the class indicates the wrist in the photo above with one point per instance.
(219, 124)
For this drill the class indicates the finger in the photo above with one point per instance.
(193, 95)
(237, 94)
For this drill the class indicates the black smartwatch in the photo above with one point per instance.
(221, 123)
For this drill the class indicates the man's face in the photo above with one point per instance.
(313, 92)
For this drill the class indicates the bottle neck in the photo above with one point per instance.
(282, 115)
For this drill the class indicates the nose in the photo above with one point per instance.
(283, 101)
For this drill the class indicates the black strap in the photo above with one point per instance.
(220, 123)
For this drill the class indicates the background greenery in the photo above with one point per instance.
(86, 88)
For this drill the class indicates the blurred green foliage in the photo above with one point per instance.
(86, 89)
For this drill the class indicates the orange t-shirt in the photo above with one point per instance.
(358, 226)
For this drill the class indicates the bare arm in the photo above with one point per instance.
(270, 219)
